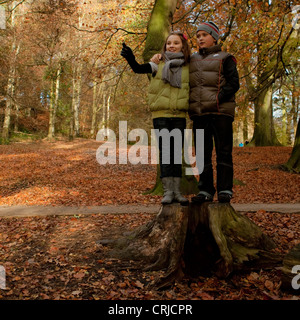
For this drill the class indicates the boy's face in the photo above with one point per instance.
(205, 40)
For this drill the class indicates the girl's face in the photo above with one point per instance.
(205, 40)
(174, 43)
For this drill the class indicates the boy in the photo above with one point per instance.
(214, 80)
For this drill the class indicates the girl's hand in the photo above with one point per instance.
(127, 53)
(156, 58)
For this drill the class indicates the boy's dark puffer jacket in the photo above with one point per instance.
(214, 81)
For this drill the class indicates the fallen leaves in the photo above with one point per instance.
(58, 258)
(67, 173)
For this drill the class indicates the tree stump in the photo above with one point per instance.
(221, 240)
(290, 278)
(201, 239)
(159, 243)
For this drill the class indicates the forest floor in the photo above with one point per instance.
(57, 256)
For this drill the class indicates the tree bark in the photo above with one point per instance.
(76, 97)
(10, 92)
(221, 240)
(293, 164)
(267, 73)
(158, 27)
(201, 239)
(264, 133)
(94, 109)
(54, 94)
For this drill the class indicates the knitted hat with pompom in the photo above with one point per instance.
(210, 28)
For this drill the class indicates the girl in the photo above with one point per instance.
(168, 98)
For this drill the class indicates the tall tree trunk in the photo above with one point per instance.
(284, 126)
(293, 163)
(94, 109)
(10, 92)
(77, 79)
(295, 106)
(245, 126)
(158, 27)
(9, 102)
(106, 110)
(17, 110)
(264, 133)
(267, 73)
(76, 97)
(54, 95)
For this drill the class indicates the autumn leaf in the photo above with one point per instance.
(79, 275)
(269, 285)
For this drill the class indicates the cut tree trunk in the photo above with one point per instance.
(201, 239)
(221, 240)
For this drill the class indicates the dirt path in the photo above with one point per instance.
(30, 211)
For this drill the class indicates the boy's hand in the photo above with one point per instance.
(127, 53)
(156, 58)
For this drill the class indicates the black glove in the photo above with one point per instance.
(136, 67)
(127, 53)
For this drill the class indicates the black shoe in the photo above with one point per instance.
(202, 197)
(224, 197)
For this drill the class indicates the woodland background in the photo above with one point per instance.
(61, 73)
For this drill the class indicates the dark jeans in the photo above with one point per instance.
(219, 129)
(169, 150)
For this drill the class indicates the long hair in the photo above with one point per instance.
(185, 46)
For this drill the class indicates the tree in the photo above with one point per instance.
(50, 22)
(293, 164)
(158, 27)
(264, 133)
(11, 81)
(53, 101)
(270, 45)
(202, 239)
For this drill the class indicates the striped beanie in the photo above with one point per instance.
(210, 28)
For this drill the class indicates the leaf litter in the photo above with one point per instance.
(57, 257)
